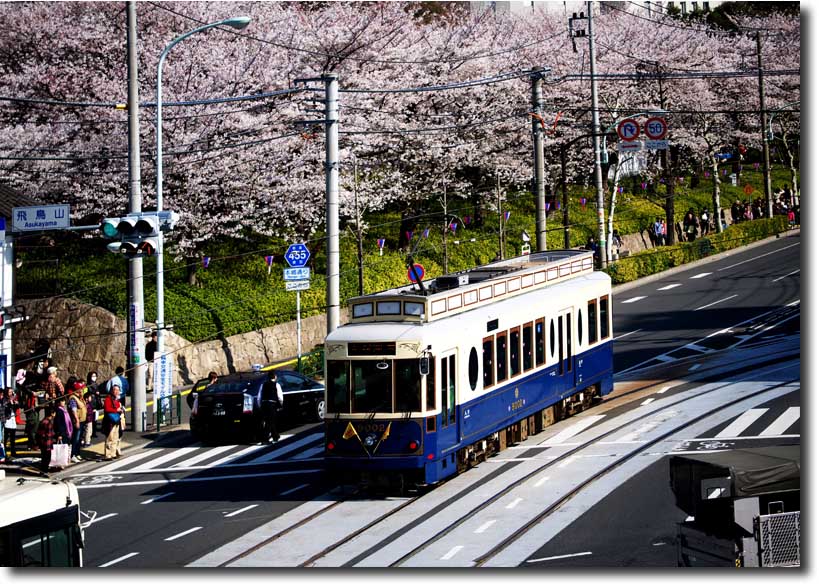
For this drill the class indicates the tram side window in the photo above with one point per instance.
(407, 386)
(604, 317)
(540, 342)
(500, 356)
(431, 386)
(452, 389)
(488, 362)
(514, 352)
(338, 389)
(527, 347)
(444, 383)
(592, 321)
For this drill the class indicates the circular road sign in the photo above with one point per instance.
(419, 270)
(656, 128)
(297, 255)
(748, 189)
(628, 130)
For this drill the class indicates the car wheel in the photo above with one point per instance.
(320, 409)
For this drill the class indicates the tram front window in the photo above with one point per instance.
(407, 386)
(365, 386)
(372, 385)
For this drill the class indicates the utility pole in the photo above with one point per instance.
(563, 190)
(670, 185)
(537, 135)
(331, 187)
(598, 170)
(766, 155)
(500, 217)
(358, 231)
(446, 229)
(136, 315)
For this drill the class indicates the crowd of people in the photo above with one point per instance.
(50, 411)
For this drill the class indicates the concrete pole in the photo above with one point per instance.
(136, 320)
(331, 170)
(537, 136)
(598, 170)
(500, 218)
(766, 154)
(566, 238)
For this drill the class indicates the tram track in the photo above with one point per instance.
(741, 368)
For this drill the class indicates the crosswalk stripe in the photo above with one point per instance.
(782, 423)
(128, 460)
(174, 454)
(743, 422)
(234, 456)
(206, 454)
(310, 452)
(285, 449)
(576, 428)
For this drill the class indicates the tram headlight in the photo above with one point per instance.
(369, 440)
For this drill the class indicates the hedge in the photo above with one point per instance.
(659, 259)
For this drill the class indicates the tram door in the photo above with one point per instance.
(448, 430)
(564, 354)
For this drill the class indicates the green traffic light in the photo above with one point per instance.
(109, 230)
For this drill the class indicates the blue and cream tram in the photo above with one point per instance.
(425, 381)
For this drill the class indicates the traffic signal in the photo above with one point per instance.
(138, 233)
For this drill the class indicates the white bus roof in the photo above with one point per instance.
(23, 497)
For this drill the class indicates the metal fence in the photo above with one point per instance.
(779, 540)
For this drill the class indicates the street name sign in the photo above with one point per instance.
(297, 273)
(40, 217)
(297, 255)
(297, 285)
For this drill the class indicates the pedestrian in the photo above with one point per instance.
(212, 379)
(736, 212)
(111, 423)
(90, 418)
(663, 232)
(705, 222)
(93, 387)
(63, 427)
(120, 380)
(3, 403)
(46, 437)
(53, 386)
(659, 238)
(272, 402)
(12, 414)
(150, 353)
(747, 213)
(29, 406)
(78, 412)
(791, 218)
(690, 225)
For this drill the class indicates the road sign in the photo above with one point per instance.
(297, 273)
(163, 376)
(419, 270)
(2, 229)
(656, 128)
(297, 255)
(40, 217)
(748, 189)
(629, 146)
(297, 285)
(628, 130)
(656, 144)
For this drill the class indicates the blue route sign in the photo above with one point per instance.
(297, 255)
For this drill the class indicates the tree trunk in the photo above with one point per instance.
(716, 193)
(192, 265)
(612, 205)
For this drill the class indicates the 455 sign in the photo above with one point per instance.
(297, 255)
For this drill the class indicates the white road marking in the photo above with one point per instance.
(786, 276)
(482, 528)
(452, 552)
(626, 334)
(664, 389)
(700, 275)
(206, 454)
(647, 401)
(181, 534)
(295, 489)
(240, 510)
(167, 457)
(743, 422)
(193, 479)
(120, 559)
(670, 286)
(796, 302)
(716, 302)
(633, 300)
(278, 452)
(128, 460)
(715, 493)
(237, 455)
(694, 367)
(541, 481)
(101, 518)
(782, 423)
(658, 544)
(665, 358)
(689, 519)
(514, 503)
(583, 554)
(757, 257)
(152, 500)
(571, 431)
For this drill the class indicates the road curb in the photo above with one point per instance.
(703, 261)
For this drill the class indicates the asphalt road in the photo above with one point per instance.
(170, 518)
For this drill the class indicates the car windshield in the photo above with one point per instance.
(229, 387)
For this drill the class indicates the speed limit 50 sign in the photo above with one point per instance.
(656, 128)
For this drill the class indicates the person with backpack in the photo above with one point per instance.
(79, 412)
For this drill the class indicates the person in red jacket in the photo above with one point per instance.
(113, 413)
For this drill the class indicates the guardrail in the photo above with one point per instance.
(166, 409)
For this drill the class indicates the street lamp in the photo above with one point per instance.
(237, 22)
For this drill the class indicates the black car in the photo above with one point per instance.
(231, 408)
